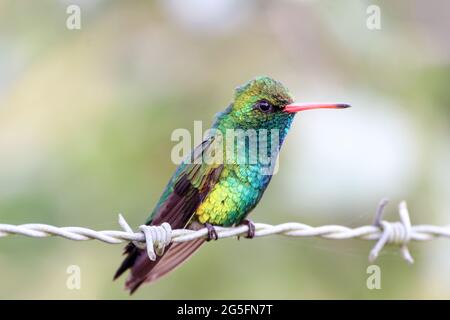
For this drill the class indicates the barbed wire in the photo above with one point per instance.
(155, 238)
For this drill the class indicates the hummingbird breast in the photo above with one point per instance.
(237, 192)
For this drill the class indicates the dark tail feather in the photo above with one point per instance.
(145, 270)
(132, 253)
(179, 253)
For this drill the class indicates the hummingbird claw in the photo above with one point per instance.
(212, 233)
(251, 228)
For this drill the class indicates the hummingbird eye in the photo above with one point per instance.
(264, 106)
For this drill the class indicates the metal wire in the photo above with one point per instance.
(156, 238)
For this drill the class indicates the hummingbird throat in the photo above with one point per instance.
(258, 148)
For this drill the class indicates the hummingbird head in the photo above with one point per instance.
(264, 103)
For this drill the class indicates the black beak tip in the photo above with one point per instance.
(343, 106)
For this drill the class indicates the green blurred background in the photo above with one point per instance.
(86, 117)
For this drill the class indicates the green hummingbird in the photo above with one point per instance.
(220, 192)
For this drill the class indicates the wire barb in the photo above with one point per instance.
(398, 233)
(156, 238)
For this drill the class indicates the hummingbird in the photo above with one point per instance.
(218, 193)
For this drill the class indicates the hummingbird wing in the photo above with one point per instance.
(187, 188)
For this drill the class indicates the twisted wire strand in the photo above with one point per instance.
(155, 238)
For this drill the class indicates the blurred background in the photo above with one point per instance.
(86, 118)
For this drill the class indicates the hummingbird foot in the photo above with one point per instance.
(212, 233)
(251, 228)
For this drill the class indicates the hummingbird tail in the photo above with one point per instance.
(145, 270)
(132, 253)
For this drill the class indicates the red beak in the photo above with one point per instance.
(296, 107)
